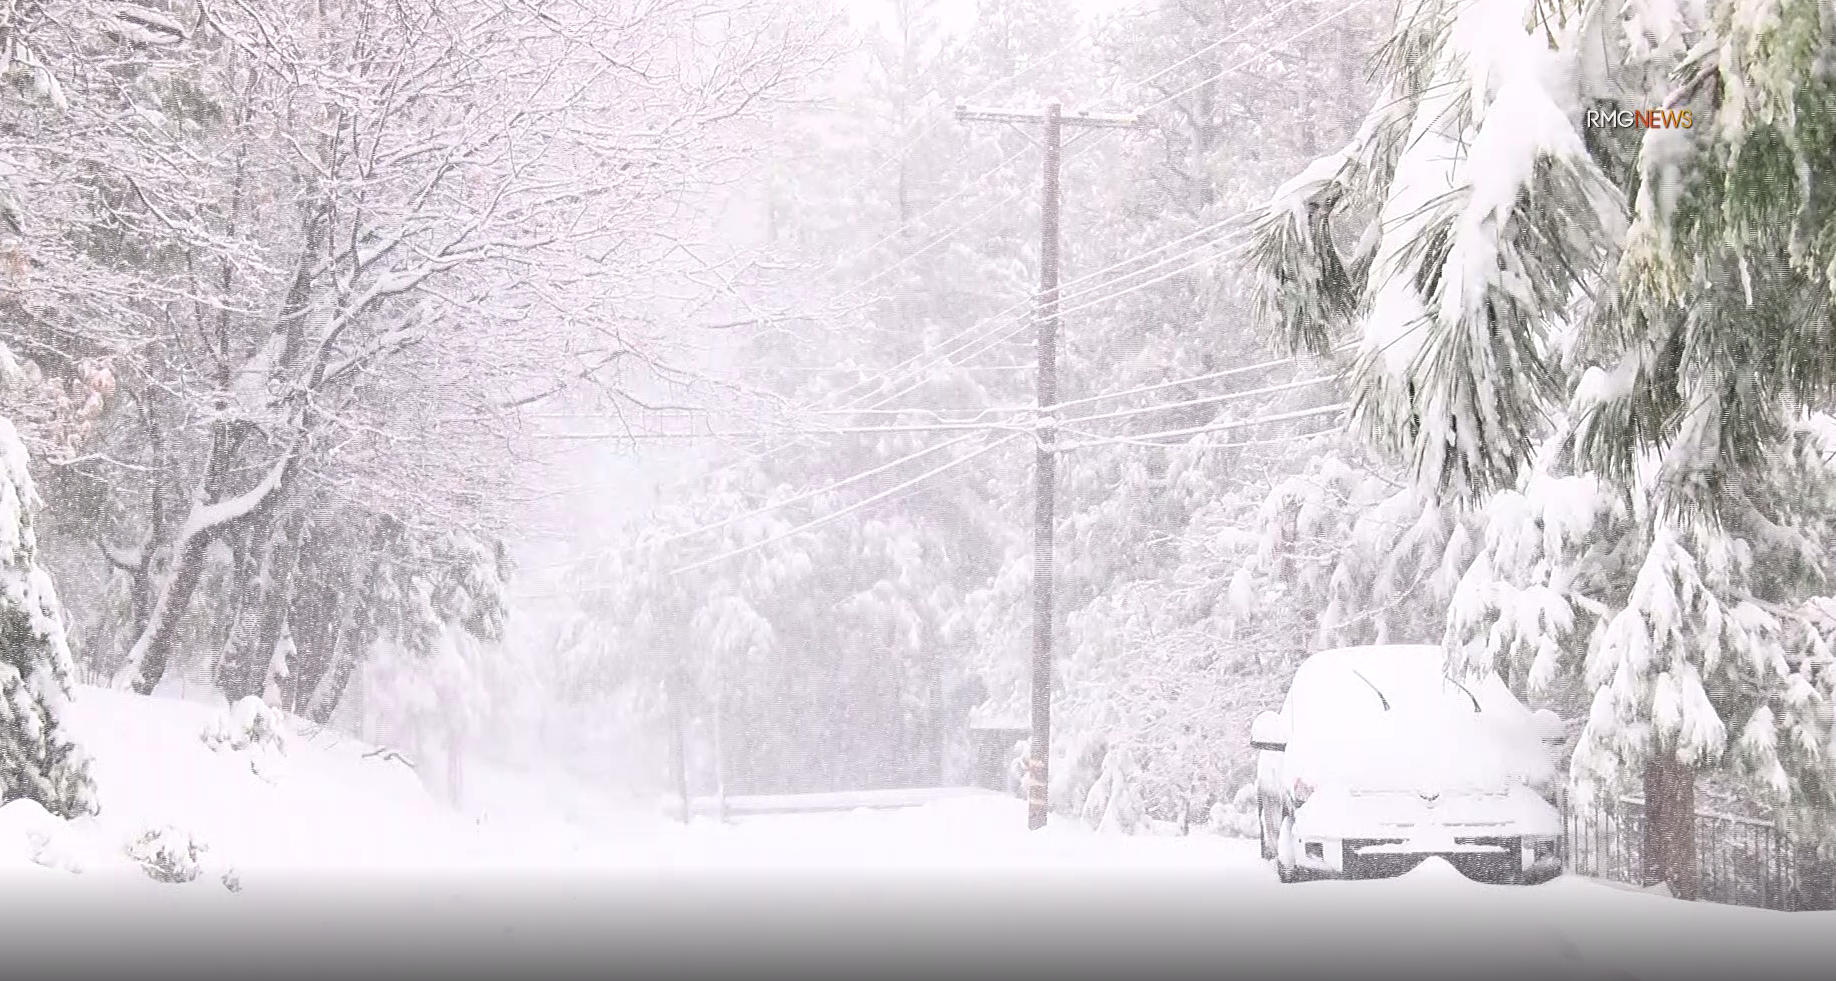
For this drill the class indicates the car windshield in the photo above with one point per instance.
(1429, 737)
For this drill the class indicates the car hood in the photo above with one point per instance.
(1342, 813)
(1441, 754)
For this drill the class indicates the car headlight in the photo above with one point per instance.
(1542, 848)
(1302, 790)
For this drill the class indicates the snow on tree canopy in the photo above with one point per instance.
(1480, 176)
(37, 759)
(1663, 621)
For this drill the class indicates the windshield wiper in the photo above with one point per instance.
(1379, 691)
(1468, 691)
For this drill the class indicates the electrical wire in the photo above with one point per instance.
(1126, 441)
(1078, 153)
(776, 505)
(1219, 42)
(1006, 314)
(1133, 259)
(769, 433)
(940, 118)
(1210, 376)
(850, 509)
(1316, 25)
(1239, 65)
(1207, 400)
(1209, 427)
(895, 233)
(1022, 325)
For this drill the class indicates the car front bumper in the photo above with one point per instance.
(1489, 858)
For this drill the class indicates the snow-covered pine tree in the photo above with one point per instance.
(38, 759)
(439, 611)
(1548, 298)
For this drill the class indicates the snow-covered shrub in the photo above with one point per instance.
(1238, 817)
(167, 854)
(1111, 805)
(1074, 776)
(25, 830)
(249, 724)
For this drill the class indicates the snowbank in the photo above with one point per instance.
(250, 790)
(231, 837)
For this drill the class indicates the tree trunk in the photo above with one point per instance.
(330, 690)
(720, 740)
(455, 766)
(933, 731)
(1204, 140)
(254, 570)
(152, 649)
(350, 639)
(678, 739)
(1670, 826)
(276, 598)
(154, 646)
(317, 662)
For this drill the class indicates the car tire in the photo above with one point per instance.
(1283, 870)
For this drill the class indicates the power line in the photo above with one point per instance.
(1211, 427)
(1227, 71)
(770, 433)
(1150, 267)
(1221, 41)
(850, 509)
(1127, 441)
(1003, 315)
(1316, 25)
(973, 414)
(1094, 440)
(912, 144)
(775, 505)
(1020, 409)
(946, 236)
(1021, 325)
(1211, 376)
(857, 477)
(895, 233)
(823, 369)
(899, 369)
(1163, 277)
(1207, 400)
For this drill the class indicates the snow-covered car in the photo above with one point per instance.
(1379, 758)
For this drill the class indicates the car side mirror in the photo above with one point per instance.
(1270, 732)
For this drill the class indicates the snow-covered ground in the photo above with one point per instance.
(321, 848)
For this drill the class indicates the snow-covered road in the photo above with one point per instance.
(341, 861)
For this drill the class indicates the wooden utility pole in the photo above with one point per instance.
(1052, 120)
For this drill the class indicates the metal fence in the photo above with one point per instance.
(1743, 862)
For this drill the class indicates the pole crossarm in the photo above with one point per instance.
(1096, 120)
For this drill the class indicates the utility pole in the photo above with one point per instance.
(1052, 120)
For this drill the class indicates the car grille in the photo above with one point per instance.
(1491, 866)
